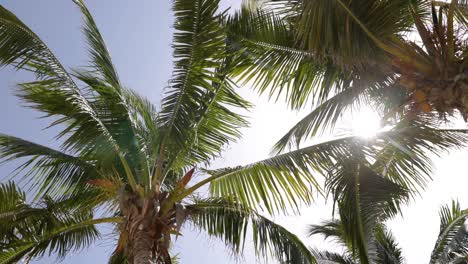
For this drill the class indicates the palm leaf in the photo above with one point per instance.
(55, 93)
(56, 226)
(52, 170)
(404, 154)
(195, 118)
(321, 119)
(326, 257)
(388, 251)
(269, 59)
(364, 199)
(284, 181)
(100, 58)
(452, 241)
(230, 221)
(74, 233)
(331, 229)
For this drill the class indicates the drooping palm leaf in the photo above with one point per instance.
(331, 229)
(230, 221)
(388, 251)
(50, 226)
(364, 199)
(53, 171)
(382, 241)
(404, 157)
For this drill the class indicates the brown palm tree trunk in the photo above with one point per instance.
(148, 234)
(142, 247)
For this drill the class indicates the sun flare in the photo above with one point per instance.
(365, 122)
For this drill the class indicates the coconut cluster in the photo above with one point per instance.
(436, 73)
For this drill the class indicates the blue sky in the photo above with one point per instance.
(138, 35)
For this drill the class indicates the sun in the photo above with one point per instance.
(365, 122)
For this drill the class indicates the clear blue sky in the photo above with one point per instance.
(138, 34)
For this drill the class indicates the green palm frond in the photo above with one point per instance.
(385, 249)
(100, 58)
(452, 241)
(269, 58)
(230, 221)
(55, 93)
(404, 154)
(331, 229)
(280, 183)
(76, 232)
(321, 119)
(382, 95)
(199, 88)
(100, 125)
(12, 207)
(299, 50)
(286, 180)
(215, 125)
(326, 257)
(364, 199)
(54, 226)
(388, 251)
(51, 170)
(335, 27)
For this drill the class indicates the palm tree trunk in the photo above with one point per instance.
(142, 247)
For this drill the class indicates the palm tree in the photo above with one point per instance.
(451, 245)
(120, 156)
(402, 57)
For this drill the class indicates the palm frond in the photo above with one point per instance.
(327, 257)
(195, 118)
(51, 170)
(326, 27)
(452, 241)
(76, 232)
(364, 199)
(281, 183)
(388, 251)
(215, 125)
(269, 58)
(230, 221)
(54, 226)
(404, 154)
(331, 229)
(374, 90)
(286, 180)
(55, 93)
(100, 58)
(322, 118)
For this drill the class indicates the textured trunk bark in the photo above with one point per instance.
(148, 232)
(142, 248)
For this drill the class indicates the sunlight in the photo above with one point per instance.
(365, 122)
